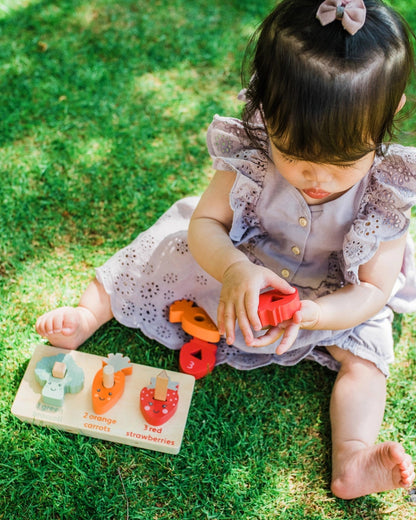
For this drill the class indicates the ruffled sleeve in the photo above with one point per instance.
(391, 191)
(231, 149)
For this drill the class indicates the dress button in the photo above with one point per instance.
(285, 273)
(295, 250)
(303, 221)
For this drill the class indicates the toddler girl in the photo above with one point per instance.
(305, 195)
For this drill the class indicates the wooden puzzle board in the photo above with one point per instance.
(123, 423)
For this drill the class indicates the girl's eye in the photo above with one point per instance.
(345, 166)
(288, 159)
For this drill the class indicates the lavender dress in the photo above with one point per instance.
(316, 248)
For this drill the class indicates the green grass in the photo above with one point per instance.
(103, 111)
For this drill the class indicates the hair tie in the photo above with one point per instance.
(351, 13)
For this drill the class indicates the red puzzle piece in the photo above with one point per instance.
(157, 412)
(197, 358)
(275, 307)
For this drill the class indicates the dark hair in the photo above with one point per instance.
(325, 95)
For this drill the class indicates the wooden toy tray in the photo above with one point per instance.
(123, 423)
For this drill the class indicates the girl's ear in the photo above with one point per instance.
(401, 103)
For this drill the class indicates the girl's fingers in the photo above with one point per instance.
(289, 337)
(289, 330)
(243, 320)
(226, 321)
(229, 313)
(272, 335)
(252, 310)
(280, 284)
(220, 318)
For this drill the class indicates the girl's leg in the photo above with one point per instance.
(361, 467)
(69, 327)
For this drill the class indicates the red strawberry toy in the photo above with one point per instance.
(158, 410)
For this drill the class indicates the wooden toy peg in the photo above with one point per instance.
(195, 321)
(161, 387)
(108, 376)
(59, 370)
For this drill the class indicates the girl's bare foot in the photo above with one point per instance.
(67, 327)
(372, 469)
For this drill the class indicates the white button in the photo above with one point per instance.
(303, 221)
(285, 273)
(295, 250)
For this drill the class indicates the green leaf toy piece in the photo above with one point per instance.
(54, 388)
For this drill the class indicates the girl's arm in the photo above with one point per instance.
(354, 304)
(212, 248)
(350, 305)
(211, 221)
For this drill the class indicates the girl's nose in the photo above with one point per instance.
(316, 174)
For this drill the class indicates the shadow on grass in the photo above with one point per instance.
(103, 112)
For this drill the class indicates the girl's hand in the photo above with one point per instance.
(239, 299)
(307, 317)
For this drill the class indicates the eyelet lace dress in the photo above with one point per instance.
(318, 249)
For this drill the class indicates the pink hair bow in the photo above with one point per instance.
(351, 13)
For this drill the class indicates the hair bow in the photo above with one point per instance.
(351, 13)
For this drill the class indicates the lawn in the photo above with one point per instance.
(104, 107)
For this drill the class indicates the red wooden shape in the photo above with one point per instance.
(157, 412)
(197, 358)
(275, 307)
